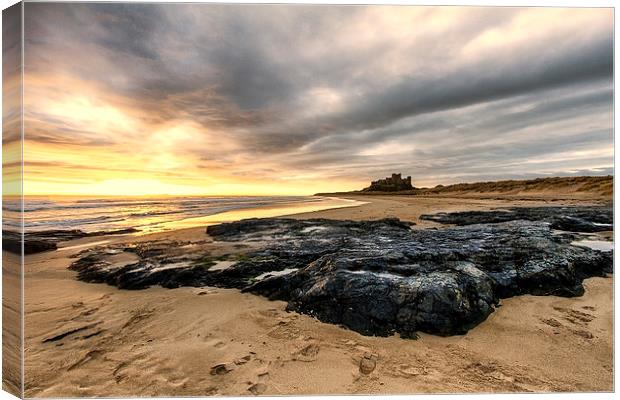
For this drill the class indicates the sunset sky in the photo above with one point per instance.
(131, 99)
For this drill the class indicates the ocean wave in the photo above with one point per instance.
(103, 214)
(45, 205)
(75, 223)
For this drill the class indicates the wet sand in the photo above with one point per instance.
(95, 340)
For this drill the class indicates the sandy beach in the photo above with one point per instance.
(86, 339)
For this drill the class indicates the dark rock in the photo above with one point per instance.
(37, 242)
(375, 277)
(572, 219)
(12, 242)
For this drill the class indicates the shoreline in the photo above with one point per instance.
(56, 239)
(310, 210)
(267, 211)
(530, 343)
(363, 200)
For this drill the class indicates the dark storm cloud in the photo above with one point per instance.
(484, 82)
(131, 30)
(493, 120)
(467, 86)
(11, 74)
(316, 86)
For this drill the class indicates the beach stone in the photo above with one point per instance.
(381, 277)
(368, 363)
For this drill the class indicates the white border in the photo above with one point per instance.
(508, 3)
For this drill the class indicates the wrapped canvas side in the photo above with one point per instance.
(12, 201)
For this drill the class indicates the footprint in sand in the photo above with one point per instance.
(216, 343)
(68, 331)
(575, 317)
(407, 371)
(204, 292)
(552, 322)
(263, 376)
(89, 356)
(79, 304)
(137, 317)
(86, 313)
(221, 369)
(284, 331)
(271, 312)
(122, 369)
(210, 391)
(243, 360)
(582, 333)
(490, 370)
(117, 374)
(259, 387)
(93, 334)
(307, 353)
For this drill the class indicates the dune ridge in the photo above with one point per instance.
(578, 186)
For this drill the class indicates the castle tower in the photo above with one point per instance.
(392, 183)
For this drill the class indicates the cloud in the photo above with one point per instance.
(11, 74)
(328, 89)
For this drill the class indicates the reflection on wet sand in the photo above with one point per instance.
(263, 212)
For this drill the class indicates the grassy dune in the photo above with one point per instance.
(579, 186)
(596, 185)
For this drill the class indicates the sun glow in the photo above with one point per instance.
(114, 187)
(83, 140)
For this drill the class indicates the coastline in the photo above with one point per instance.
(529, 344)
(268, 211)
(36, 241)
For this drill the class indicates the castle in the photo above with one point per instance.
(390, 184)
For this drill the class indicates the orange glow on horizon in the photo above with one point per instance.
(121, 150)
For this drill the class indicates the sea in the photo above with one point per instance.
(154, 214)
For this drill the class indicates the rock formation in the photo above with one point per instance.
(574, 219)
(37, 242)
(376, 277)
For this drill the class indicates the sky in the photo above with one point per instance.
(187, 99)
